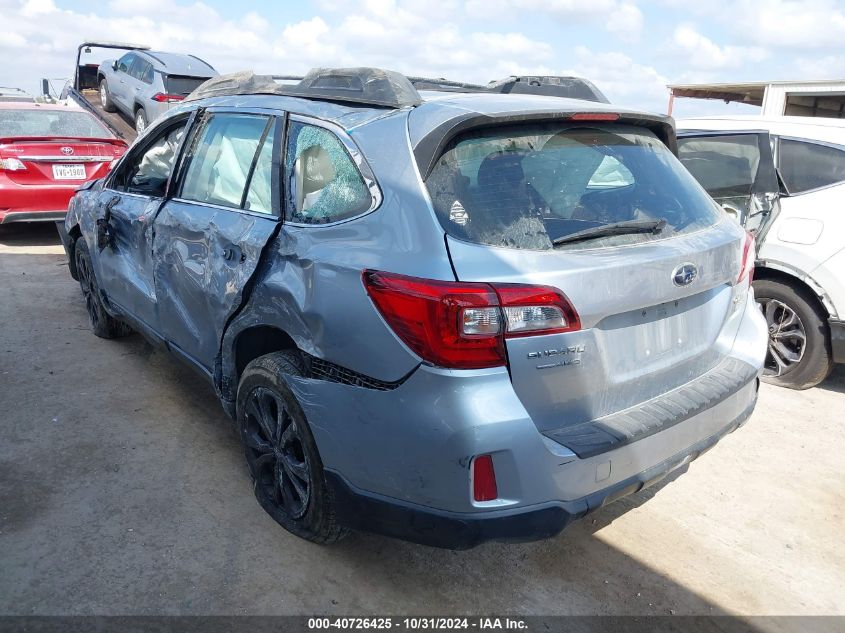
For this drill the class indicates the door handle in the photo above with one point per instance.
(234, 253)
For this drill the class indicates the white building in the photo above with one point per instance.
(794, 98)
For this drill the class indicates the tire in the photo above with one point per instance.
(793, 312)
(102, 323)
(105, 97)
(286, 469)
(140, 120)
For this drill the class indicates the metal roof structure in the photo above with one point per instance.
(824, 98)
(749, 92)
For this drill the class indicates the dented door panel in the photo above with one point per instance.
(204, 257)
(126, 267)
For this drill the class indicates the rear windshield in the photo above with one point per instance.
(524, 187)
(50, 123)
(178, 85)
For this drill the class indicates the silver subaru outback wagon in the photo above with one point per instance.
(444, 316)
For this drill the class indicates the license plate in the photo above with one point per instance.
(69, 172)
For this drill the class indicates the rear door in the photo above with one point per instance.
(506, 196)
(209, 238)
(127, 206)
(134, 81)
(119, 87)
(737, 169)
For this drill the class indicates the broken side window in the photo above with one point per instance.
(323, 182)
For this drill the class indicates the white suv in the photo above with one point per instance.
(784, 179)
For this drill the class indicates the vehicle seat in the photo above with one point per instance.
(313, 172)
(502, 192)
(326, 181)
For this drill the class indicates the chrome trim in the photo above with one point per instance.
(223, 207)
(68, 159)
(360, 162)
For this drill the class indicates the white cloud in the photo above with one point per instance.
(701, 52)
(622, 80)
(619, 17)
(407, 36)
(773, 23)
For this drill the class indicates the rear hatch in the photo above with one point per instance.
(654, 300)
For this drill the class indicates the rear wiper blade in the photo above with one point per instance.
(615, 228)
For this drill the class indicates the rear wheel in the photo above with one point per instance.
(105, 97)
(280, 451)
(102, 323)
(799, 355)
(140, 120)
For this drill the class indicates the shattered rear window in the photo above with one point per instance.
(525, 186)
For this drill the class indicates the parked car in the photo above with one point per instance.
(15, 95)
(46, 152)
(425, 315)
(784, 179)
(145, 84)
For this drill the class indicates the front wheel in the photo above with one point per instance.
(140, 121)
(280, 451)
(102, 323)
(799, 355)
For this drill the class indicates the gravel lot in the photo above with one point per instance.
(123, 491)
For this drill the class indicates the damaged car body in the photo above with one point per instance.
(446, 317)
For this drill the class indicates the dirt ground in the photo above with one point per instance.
(123, 491)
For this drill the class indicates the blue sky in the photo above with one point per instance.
(630, 49)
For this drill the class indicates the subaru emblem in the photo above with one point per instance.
(67, 151)
(684, 274)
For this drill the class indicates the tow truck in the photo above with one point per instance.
(83, 88)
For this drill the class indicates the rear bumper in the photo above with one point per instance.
(8, 217)
(33, 202)
(369, 512)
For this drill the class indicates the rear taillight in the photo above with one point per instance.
(464, 325)
(531, 310)
(166, 98)
(11, 164)
(749, 254)
(484, 479)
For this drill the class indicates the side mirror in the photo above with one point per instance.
(732, 211)
(114, 65)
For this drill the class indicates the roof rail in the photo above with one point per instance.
(549, 85)
(369, 86)
(385, 88)
(444, 85)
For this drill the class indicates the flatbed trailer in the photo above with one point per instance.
(84, 89)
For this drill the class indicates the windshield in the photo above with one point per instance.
(527, 186)
(50, 123)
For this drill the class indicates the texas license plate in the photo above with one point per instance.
(69, 172)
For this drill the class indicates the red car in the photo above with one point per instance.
(46, 152)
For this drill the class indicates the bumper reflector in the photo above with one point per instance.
(483, 479)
